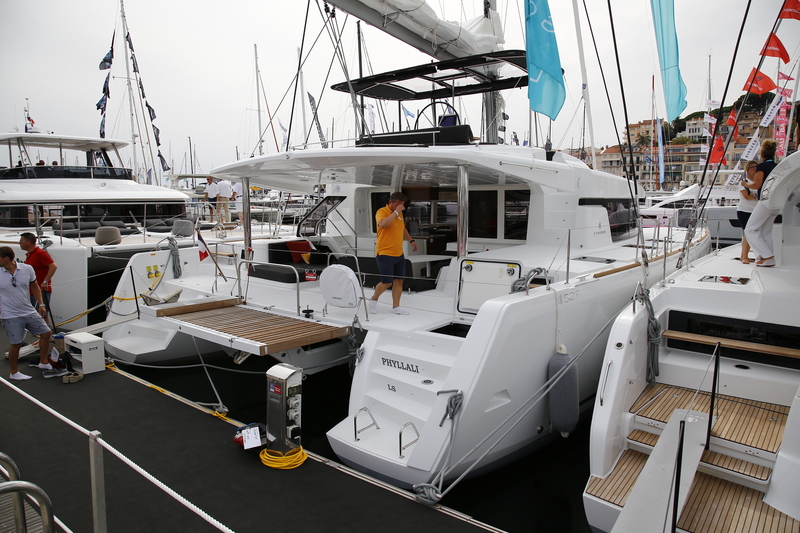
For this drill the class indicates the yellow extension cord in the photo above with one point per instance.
(291, 460)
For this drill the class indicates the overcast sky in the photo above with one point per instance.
(197, 64)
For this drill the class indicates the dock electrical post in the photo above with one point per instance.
(284, 393)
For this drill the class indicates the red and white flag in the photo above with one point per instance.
(784, 92)
(782, 76)
(201, 246)
(774, 48)
(718, 153)
(758, 82)
(732, 122)
(791, 10)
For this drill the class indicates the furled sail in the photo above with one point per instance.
(416, 23)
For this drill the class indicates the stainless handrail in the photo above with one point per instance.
(19, 508)
(45, 506)
(605, 382)
(251, 262)
(356, 431)
(401, 437)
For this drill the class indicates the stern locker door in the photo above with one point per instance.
(484, 280)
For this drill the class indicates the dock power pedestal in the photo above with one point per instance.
(284, 394)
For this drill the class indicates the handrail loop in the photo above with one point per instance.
(400, 436)
(356, 431)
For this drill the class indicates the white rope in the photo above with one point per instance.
(186, 503)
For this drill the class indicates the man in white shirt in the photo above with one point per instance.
(237, 198)
(223, 200)
(17, 283)
(212, 191)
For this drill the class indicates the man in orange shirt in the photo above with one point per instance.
(389, 251)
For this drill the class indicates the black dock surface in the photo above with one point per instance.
(191, 452)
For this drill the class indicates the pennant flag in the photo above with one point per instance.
(704, 148)
(791, 10)
(164, 165)
(718, 153)
(141, 89)
(285, 134)
(782, 76)
(771, 111)
(103, 127)
(105, 64)
(546, 92)
(313, 103)
(135, 64)
(101, 105)
(781, 119)
(758, 83)
(407, 112)
(157, 134)
(667, 42)
(201, 246)
(774, 48)
(708, 118)
(151, 111)
(706, 133)
(731, 118)
(784, 92)
(106, 90)
(130, 42)
(712, 104)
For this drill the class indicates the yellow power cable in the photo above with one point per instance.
(293, 459)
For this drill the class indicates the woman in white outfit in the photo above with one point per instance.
(746, 206)
(759, 227)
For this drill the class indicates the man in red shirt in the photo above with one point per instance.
(42, 264)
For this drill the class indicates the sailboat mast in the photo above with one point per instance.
(302, 98)
(489, 98)
(584, 80)
(653, 129)
(128, 77)
(258, 100)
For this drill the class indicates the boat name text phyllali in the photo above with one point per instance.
(399, 364)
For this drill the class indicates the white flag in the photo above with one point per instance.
(751, 152)
(708, 118)
(772, 111)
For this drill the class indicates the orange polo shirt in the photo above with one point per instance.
(390, 239)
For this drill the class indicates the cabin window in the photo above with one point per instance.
(517, 206)
(621, 216)
(483, 214)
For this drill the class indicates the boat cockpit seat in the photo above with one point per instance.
(105, 235)
(182, 228)
(119, 224)
(157, 225)
(65, 229)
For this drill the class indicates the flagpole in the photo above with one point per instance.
(130, 90)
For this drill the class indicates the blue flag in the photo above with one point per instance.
(545, 79)
(667, 42)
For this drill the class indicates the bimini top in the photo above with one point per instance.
(43, 140)
(476, 74)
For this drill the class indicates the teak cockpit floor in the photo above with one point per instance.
(716, 505)
(275, 332)
(747, 422)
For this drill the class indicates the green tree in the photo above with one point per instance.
(643, 140)
(681, 140)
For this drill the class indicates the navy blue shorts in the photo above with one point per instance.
(391, 267)
(743, 217)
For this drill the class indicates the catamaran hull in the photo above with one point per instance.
(499, 367)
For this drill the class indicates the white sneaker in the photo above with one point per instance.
(19, 376)
(372, 306)
(399, 311)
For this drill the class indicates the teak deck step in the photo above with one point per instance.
(271, 332)
(750, 423)
(730, 343)
(616, 486)
(738, 466)
(716, 505)
(190, 306)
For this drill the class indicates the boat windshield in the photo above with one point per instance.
(65, 172)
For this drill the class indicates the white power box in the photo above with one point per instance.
(89, 353)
